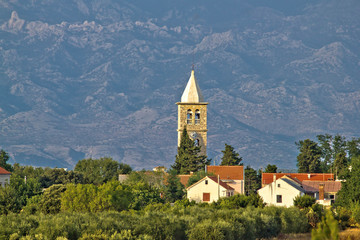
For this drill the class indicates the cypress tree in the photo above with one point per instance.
(230, 157)
(188, 158)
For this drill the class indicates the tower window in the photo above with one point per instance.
(196, 142)
(197, 116)
(189, 117)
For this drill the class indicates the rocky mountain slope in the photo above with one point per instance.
(93, 78)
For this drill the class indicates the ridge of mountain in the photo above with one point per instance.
(83, 79)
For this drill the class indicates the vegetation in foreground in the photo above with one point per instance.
(90, 203)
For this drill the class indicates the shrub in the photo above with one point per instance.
(327, 229)
(216, 230)
(304, 201)
(293, 220)
(355, 211)
(240, 201)
(343, 216)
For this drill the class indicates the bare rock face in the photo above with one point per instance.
(101, 78)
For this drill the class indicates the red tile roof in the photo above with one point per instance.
(227, 172)
(224, 185)
(329, 186)
(4, 172)
(184, 179)
(268, 178)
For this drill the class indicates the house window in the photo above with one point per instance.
(332, 196)
(279, 185)
(229, 194)
(206, 182)
(279, 198)
(206, 197)
(189, 117)
(197, 116)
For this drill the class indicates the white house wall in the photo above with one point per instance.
(269, 193)
(195, 193)
(4, 179)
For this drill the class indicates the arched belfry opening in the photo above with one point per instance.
(189, 116)
(197, 116)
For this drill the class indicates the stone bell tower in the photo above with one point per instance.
(192, 113)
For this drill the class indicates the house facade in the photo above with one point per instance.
(282, 191)
(231, 175)
(209, 189)
(267, 178)
(4, 177)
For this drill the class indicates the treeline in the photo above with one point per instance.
(327, 154)
(28, 183)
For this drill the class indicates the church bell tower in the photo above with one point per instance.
(192, 113)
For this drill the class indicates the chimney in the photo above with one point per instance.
(274, 177)
(321, 191)
(309, 175)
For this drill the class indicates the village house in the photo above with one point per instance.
(284, 187)
(231, 175)
(209, 189)
(4, 177)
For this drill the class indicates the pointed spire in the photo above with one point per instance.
(192, 92)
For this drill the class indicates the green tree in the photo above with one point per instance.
(308, 160)
(77, 198)
(188, 158)
(350, 189)
(353, 148)
(252, 181)
(328, 228)
(326, 151)
(271, 168)
(112, 196)
(98, 171)
(143, 195)
(304, 201)
(52, 176)
(124, 168)
(173, 190)
(15, 195)
(340, 165)
(4, 157)
(230, 157)
(50, 201)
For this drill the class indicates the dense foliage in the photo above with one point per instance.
(252, 180)
(166, 222)
(304, 201)
(230, 157)
(4, 157)
(150, 205)
(350, 189)
(271, 168)
(308, 161)
(98, 171)
(173, 189)
(327, 154)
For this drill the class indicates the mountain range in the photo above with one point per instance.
(88, 79)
